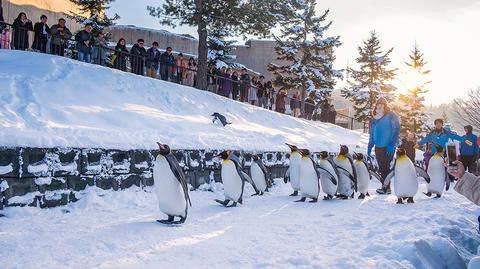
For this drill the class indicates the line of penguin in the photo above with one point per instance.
(339, 177)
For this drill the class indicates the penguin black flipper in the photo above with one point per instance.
(179, 174)
(349, 157)
(353, 179)
(332, 178)
(421, 172)
(335, 168)
(286, 177)
(316, 171)
(264, 170)
(376, 175)
(242, 174)
(447, 180)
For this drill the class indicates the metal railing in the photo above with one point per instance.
(95, 52)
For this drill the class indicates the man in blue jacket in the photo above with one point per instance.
(440, 136)
(468, 152)
(384, 136)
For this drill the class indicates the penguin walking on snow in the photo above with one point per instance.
(293, 171)
(364, 175)
(260, 175)
(438, 174)
(328, 175)
(233, 179)
(219, 117)
(309, 184)
(347, 175)
(405, 174)
(170, 186)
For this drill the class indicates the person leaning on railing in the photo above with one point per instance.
(137, 57)
(85, 40)
(119, 60)
(42, 33)
(21, 26)
(152, 60)
(167, 61)
(60, 34)
(99, 52)
(244, 85)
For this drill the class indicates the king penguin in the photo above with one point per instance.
(364, 174)
(233, 179)
(309, 184)
(328, 175)
(170, 186)
(438, 174)
(347, 184)
(260, 175)
(293, 172)
(405, 174)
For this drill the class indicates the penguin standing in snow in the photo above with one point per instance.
(233, 179)
(309, 184)
(170, 186)
(293, 171)
(347, 184)
(328, 175)
(405, 174)
(438, 174)
(364, 175)
(260, 175)
(219, 117)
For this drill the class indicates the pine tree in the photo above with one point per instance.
(411, 110)
(93, 11)
(372, 78)
(219, 49)
(309, 56)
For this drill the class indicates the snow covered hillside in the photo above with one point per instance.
(108, 229)
(49, 101)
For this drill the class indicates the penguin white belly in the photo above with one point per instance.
(327, 185)
(344, 181)
(309, 186)
(436, 171)
(363, 177)
(232, 183)
(295, 159)
(405, 182)
(258, 177)
(171, 198)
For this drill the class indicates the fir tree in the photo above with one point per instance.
(93, 11)
(309, 56)
(219, 49)
(372, 78)
(411, 110)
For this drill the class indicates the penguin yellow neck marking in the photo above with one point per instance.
(437, 154)
(161, 157)
(341, 157)
(403, 158)
(304, 158)
(227, 161)
(295, 153)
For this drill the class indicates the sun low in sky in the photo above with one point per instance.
(445, 31)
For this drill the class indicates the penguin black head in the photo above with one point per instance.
(304, 152)
(401, 152)
(293, 148)
(358, 156)
(439, 148)
(255, 158)
(224, 154)
(324, 154)
(164, 149)
(343, 150)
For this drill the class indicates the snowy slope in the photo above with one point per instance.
(107, 229)
(51, 101)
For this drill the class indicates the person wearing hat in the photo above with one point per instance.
(440, 136)
(384, 136)
(468, 152)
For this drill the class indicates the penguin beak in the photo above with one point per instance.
(160, 146)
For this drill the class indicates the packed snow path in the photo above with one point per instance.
(108, 229)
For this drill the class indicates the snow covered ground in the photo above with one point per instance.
(49, 101)
(107, 229)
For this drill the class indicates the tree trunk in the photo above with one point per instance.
(303, 96)
(202, 67)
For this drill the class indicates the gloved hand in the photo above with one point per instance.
(390, 150)
(369, 150)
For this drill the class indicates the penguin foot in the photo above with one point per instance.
(361, 196)
(240, 201)
(182, 220)
(224, 203)
(295, 193)
(400, 201)
(368, 194)
(438, 196)
(314, 200)
(410, 200)
(353, 195)
(342, 196)
(166, 221)
(328, 197)
(301, 200)
(429, 194)
(232, 205)
(257, 193)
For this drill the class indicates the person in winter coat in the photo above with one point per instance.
(280, 101)
(191, 72)
(262, 92)
(325, 111)
(85, 40)
(60, 34)
(332, 114)
(137, 57)
(235, 86)
(121, 53)
(469, 152)
(227, 83)
(5, 38)
(42, 33)
(21, 26)
(153, 60)
(212, 80)
(468, 184)
(408, 144)
(99, 51)
(271, 94)
(295, 104)
(244, 85)
(309, 108)
(180, 69)
(384, 136)
(253, 91)
(167, 61)
(440, 136)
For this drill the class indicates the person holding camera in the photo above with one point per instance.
(468, 184)
(60, 35)
(21, 26)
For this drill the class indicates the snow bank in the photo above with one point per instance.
(50, 101)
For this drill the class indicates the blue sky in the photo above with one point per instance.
(446, 31)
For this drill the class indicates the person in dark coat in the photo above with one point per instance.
(408, 144)
(121, 53)
(60, 34)
(85, 41)
(42, 32)
(244, 85)
(137, 57)
(271, 94)
(325, 111)
(280, 101)
(166, 64)
(332, 114)
(227, 83)
(235, 86)
(21, 26)
(152, 60)
(469, 152)
(309, 108)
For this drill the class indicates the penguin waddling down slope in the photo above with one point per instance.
(293, 172)
(309, 176)
(328, 175)
(260, 175)
(347, 184)
(219, 117)
(405, 174)
(170, 186)
(438, 174)
(364, 174)
(233, 179)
